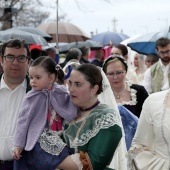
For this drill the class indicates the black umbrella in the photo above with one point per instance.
(36, 31)
(28, 37)
(89, 43)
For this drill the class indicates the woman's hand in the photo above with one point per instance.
(17, 153)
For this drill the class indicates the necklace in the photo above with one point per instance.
(118, 95)
(91, 107)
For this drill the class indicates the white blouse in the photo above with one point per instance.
(151, 144)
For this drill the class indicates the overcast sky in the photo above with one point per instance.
(133, 16)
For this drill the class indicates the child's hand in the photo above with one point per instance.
(17, 153)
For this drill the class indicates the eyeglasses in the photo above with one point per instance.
(117, 73)
(162, 53)
(20, 58)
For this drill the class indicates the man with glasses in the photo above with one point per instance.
(14, 83)
(157, 77)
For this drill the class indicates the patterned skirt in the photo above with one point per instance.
(38, 159)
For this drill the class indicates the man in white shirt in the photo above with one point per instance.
(15, 60)
(157, 77)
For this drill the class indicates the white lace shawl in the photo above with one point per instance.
(119, 161)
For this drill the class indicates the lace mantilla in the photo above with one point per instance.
(133, 92)
(51, 141)
(103, 122)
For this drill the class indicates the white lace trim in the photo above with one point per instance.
(76, 159)
(133, 92)
(104, 122)
(51, 142)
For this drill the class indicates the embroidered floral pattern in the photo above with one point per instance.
(103, 122)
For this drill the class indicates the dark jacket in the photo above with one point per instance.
(28, 83)
(141, 95)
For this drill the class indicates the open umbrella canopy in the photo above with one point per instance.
(130, 39)
(28, 37)
(67, 32)
(145, 44)
(36, 31)
(109, 38)
(89, 43)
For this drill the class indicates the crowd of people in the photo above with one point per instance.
(101, 114)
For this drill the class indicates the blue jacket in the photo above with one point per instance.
(33, 113)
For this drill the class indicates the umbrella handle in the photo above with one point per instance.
(69, 72)
(57, 56)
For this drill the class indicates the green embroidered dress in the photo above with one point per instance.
(97, 135)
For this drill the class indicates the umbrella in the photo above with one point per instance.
(130, 39)
(28, 37)
(109, 38)
(91, 44)
(33, 30)
(145, 44)
(67, 32)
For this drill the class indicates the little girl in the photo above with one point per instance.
(39, 126)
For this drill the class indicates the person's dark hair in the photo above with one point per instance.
(16, 43)
(122, 48)
(50, 67)
(162, 42)
(73, 53)
(85, 50)
(92, 74)
(98, 54)
(112, 57)
(154, 55)
(52, 49)
(35, 53)
(1, 49)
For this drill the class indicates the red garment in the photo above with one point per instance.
(57, 122)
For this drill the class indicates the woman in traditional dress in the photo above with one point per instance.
(131, 96)
(151, 145)
(96, 135)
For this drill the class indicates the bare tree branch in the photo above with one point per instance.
(27, 13)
